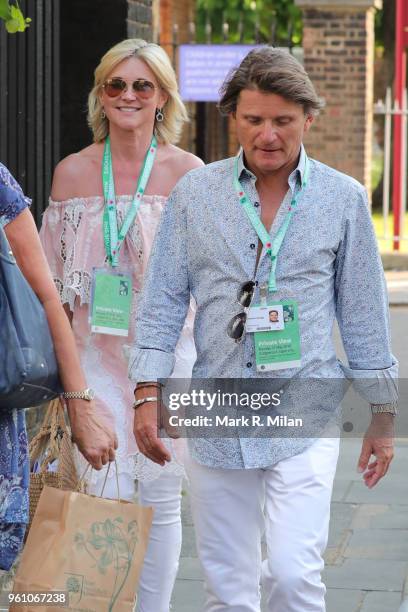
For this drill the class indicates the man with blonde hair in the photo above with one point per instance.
(273, 228)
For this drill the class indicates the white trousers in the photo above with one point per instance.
(163, 551)
(289, 503)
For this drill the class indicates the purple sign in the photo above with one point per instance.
(203, 68)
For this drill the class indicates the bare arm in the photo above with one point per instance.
(94, 440)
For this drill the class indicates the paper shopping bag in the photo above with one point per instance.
(89, 547)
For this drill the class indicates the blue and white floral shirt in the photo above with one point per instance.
(328, 263)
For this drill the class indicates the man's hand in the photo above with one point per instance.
(95, 440)
(146, 433)
(147, 422)
(378, 441)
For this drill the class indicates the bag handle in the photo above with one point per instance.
(81, 479)
(51, 427)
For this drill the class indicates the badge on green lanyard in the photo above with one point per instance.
(111, 302)
(275, 325)
(112, 288)
(279, 348)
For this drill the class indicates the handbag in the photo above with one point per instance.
(28, 366)
(51, 445)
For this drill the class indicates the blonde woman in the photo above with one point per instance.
(105, 204)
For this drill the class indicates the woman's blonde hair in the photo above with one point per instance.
(174, 111)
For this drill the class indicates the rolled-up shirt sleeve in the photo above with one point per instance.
(362, 307)
(165, 296)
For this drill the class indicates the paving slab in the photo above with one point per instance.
(378, 544)
(188, 596)
(341, 517)
(377, 601)
(367, 575)
(349, 452)
(339, 600)
(189, 569)
(366, 513)
(188, 548)
(393, 489)
(186, 517)
(341, 489)
(395, 517)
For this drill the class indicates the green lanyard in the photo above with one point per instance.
(113, 237)
(272, 248)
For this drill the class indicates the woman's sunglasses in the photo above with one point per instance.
(116, 86)
(236, 326)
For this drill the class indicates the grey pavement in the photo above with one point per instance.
(367, 553)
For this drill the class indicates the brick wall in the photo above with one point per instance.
(139, 20)
(176, 13)
(338, 43)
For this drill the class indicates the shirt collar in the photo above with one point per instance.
(300, 168)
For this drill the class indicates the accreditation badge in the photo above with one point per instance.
(278, 347)
(111, 301)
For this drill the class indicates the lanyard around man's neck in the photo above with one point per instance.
(113, 237)
(272, 247)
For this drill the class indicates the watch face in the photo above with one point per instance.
(91, 394)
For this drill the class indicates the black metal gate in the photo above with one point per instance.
(29, 100)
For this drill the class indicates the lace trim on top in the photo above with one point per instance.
(78, 225)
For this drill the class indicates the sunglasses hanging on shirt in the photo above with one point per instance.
(236, 326)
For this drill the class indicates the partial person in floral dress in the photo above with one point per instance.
(95, 440)
(105, 205)
(14, 468)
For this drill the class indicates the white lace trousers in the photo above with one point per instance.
(163, 552)
(289, 503)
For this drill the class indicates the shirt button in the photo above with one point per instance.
(249, 364)
(252, 245)
(256, 283)
(256, 204)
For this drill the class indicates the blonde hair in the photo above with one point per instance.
(174, 111)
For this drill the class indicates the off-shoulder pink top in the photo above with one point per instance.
(72, 237)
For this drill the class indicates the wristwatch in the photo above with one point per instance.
(87, 394)
(384, 408)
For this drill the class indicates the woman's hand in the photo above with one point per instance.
(95, 440)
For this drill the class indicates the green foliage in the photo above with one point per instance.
(278, 19)
(13, 17)
(5, 10)
(379, 28)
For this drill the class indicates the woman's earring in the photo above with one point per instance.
(103, 114)
(159, 115)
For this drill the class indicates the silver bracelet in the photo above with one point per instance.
(142, 401)
(384, 408)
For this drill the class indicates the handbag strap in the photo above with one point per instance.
(5, 249)
(53, 428)
(37, 443)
